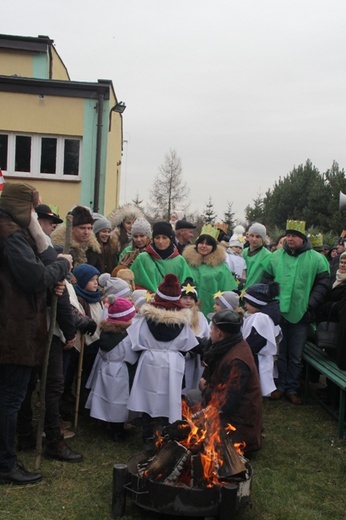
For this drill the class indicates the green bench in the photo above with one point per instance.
(317, 358)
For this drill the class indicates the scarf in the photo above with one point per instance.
(89, 296)
(170, 252)
(339, 279)
(217, 350)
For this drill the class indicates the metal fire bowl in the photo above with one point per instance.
(170, 499)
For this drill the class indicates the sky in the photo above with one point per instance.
(242, 91)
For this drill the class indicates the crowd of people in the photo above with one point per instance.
(155, 315)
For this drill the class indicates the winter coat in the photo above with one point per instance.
(303, 275)
(149, 269)
(210, 273)
(161, 336)
(235, 378)
(109, 378)
(24, 280)
(86, 253)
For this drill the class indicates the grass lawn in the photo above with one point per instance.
(300, 473)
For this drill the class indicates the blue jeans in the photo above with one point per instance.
(290, 356)
(14, 380)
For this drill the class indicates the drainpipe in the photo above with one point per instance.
(98, 152)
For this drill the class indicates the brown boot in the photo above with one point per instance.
(58, 449)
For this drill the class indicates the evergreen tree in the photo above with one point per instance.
(209, 214)
(229, 217)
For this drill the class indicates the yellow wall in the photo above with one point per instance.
(28, 113)
(59, 70)
(112, 168)
(16, 62)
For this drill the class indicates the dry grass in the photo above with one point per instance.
(298, 474)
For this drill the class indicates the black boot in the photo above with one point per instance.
(20, 476)
(117, 432)
(58, 449)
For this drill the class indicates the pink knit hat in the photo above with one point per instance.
(120, 310)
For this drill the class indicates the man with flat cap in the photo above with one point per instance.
(230, 380)
(47, 219)
(183, 234)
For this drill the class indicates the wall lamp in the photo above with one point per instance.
(119, 107)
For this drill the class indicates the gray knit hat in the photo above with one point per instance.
(100, 224)
(115, 286)
(258, 229)
(141, 227)
(139, 296)
(228, 300)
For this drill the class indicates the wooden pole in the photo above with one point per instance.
(43, 378)
(79, 380)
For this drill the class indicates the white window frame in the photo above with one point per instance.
(35, 162)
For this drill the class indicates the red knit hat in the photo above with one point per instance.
(120, 310)
(168, 293)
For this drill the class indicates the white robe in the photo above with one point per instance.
(109, 383)
(272, 333)
(193, 365)
(157, 384)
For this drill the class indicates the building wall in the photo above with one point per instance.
(16, 62)
(59, 70)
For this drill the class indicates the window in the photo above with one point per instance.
(38, 156)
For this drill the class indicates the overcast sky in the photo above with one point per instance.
(243, 91)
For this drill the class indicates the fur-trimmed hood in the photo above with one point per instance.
(107, 326)
(120, 214)
(195, 259)
(168, 317)
(58, 238)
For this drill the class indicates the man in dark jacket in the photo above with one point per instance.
(230, 380)
(303, 275)
(28, 267)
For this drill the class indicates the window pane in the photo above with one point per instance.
(3, 151)
(48, 155)
(23, 153)
(71, 157)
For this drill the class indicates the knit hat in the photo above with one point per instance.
(296, 227)
(44, 211)
(258, 229)
(81, 215)
(18, 199)
(114, 286)
(100, 224)
(140, 296)
(120, 310)
(168, 293)
(84, 273)
(237, 239)
(141, 227)
(227, 299)
(260, 294)
(163, 228)
(189, 289)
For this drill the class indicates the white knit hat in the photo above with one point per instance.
(141, 227)
(114, 286)
(237, 239)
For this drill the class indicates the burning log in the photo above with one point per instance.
(168, 464)
(232, 463)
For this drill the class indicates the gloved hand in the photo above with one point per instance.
(90, 327)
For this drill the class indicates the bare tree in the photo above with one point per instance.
(169, 191)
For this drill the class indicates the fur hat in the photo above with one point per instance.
(258, 229)
(18, 199)
(163, 228)
(126, 274)
(141, 227)
(81, 215)
(115, 286)
(44, 211)
(120, 310)
(84, 273)
(123, 212)
(168, 293)
(237, 239)
(227, 299)
(189, 289)
(100, 224)
(260, 294)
